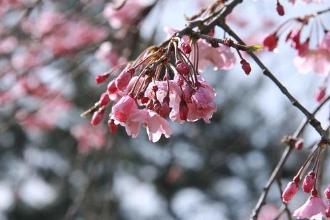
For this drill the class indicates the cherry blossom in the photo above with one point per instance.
(108, 55)
(220, 58)
(313, 206)
(314, 60)
(88, 137)
(125, 16)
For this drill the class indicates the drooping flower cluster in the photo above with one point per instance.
(163, 82)
(314, 204)
(309, 58)
(280, 8)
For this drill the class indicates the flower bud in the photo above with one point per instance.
(270, 42)
(327, 192)
(104, 99)
(290, 191)
(280, 8)
(308, 182)
(320, 94)
(299, 144)
(97, 117)
(102, 78)
(186, 48)
(246, 66)
(182, 68)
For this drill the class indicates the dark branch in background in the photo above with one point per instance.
(323, 11)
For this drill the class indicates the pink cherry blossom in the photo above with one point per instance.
(314, 60)
(125, 16)
(220, 58)
(88, 137)
(124, 78)
(313, 206)
(108, 55)
(202, 105)
(126, 113)
(156, 126)
(123, 110)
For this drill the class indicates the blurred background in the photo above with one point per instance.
(55, 165)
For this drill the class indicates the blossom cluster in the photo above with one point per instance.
(309, 58)
(163, 82)
(313, 55)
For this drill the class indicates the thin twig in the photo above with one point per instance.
(285, 207)
(280, 164)
(311, 118)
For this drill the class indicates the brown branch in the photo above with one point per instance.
(280, 164)
(311, 119)
(323, 11)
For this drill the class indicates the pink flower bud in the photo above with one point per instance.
(102, 78)
(290, 191)
(299, 144)
(280, 8)
(97, 117)
(104, 99)
(246, 66)
(320, 94)
(327, 192)
(186, 48)
(123, 79)
(112, 89)
(144, 100)
(270, 42)
(182, 68)
(308, 182)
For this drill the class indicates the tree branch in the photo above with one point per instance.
(311, 118)
(280, 164)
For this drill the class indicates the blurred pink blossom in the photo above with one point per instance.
(126, 16)
(88, 137)
(220, 58)
(108, 55)
(314, 60)
(8, 44)
(269, 212)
